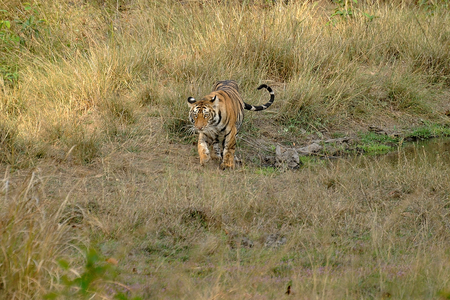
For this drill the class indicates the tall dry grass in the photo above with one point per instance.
(368, 228)
(32, 235)
(44, 250)
(354, 230)
(83, 71)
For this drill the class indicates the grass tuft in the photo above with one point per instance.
(30, 239)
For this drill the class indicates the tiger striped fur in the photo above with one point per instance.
(217, 118)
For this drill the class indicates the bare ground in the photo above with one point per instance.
(172, 227)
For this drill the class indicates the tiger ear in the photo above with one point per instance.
(215, 101)
(191, 100)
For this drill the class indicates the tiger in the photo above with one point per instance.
(217, 117)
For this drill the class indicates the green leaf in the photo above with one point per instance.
(6, 23)
(122, 296)
(15, 38)
(63, 264)
(27, 5)
(51, 295)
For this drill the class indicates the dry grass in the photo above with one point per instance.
(94, 94)
(354, 229)
(84, 70)
(31, 237)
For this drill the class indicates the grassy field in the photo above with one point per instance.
(102, 195)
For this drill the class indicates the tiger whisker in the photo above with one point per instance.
(191, 130)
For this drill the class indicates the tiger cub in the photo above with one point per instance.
(217, 118)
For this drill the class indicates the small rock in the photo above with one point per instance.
(275, 240)
(237, 240)
(395, 134)
(286, 157)
(310, 149)
(338, 141)
(377, 130)
(268, 161)
(246, 242)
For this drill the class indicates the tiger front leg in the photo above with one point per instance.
(203, 150)
(229, 148)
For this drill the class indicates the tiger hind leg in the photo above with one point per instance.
(216, 152)
(229, 148)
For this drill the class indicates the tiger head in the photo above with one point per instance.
(203, 112)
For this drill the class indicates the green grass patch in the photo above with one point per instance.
(372, 138)
(376, 149)
(429, 131)
(267, 171)
(311, 161)
(372, 143)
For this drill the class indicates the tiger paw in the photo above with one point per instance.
(229, 165)
(215, 156)
(203, 152)
(204, 159)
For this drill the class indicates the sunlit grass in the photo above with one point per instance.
(94, 93)
(76, 62)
